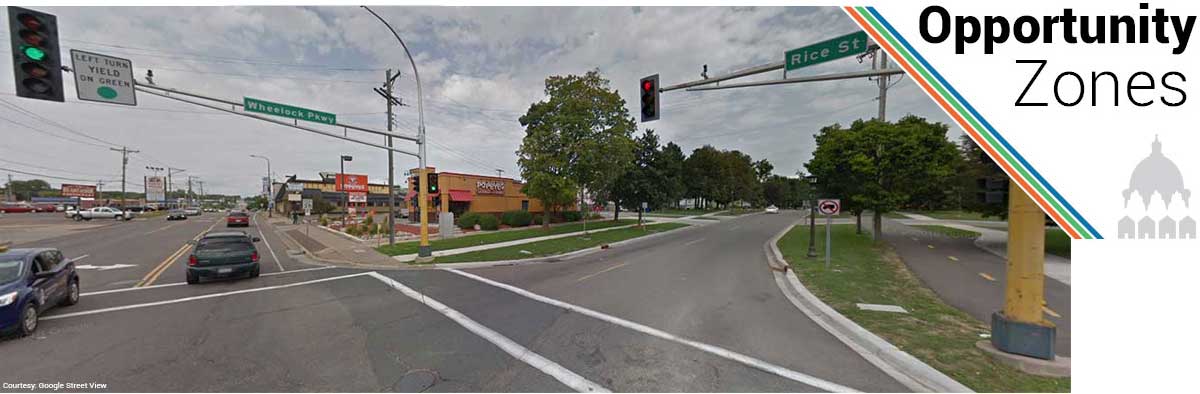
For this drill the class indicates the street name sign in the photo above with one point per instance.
(308, 205)
(837, 48)
(103, 78)
(287, 111)
(829, 206)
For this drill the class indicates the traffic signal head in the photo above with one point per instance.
(433, 182)
(37, 65)
(648, 89)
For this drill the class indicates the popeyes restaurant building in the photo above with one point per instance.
(462, 193)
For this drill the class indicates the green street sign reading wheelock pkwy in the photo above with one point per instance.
(837, 48)
(287, 111)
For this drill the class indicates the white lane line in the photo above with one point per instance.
(269, 248)
(80, 258)
(693, 242)
(715, 350)
(184, 283)
(601, 272)
(558, 372)
(735, 227)
(199, 297)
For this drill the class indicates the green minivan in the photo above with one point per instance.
(223, 254)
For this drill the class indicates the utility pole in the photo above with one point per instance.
(387, 95)
(883, 86)
(269, 180)
(8, 195)
(99, 191)
(124, 163)
(170, 171)
(499, 173)
(191, 201)
(201, 192)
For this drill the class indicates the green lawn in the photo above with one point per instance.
(483, 238)
(559, 245)
(936, 333)
(949, 231)
(1058, 242)
(956, 215)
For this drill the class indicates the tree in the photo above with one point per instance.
(581, 132)
(762, 169)
(554, 191)
(975, 167)
(879, 166)
(26, 190)
(645, 181)
(671, 168)
(701, 171)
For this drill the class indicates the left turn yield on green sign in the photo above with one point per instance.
(103, 78)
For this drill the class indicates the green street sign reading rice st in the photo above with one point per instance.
(837, 48)
(287, 111)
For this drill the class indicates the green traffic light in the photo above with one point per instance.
(34, 53)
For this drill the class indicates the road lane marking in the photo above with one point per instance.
(184, 283)
(269, 248)
(693, 242)
(986, 276)
(735, 227)
(1051, 312)
(930, 246)
(199, 297)
(162, 228)
(556, 371)
(952, 258)
(157, 271)
(80, 258)
(715, 350)
(601, 272)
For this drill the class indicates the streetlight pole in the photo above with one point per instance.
(812, 216)
(170, 171)
(345, 194)
(268, 191)
(424, 252)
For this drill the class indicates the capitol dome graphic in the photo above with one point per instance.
(1156, 175)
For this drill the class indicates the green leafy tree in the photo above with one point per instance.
(976, 169)
(671, 167)
(701, 171)
(831, 165)
(645, 180)
(581, 133)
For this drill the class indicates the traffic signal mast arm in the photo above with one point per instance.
(167, 93)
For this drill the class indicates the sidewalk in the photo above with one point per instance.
(408, 258)
(324, 245)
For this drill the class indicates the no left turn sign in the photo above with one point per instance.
(829, 206)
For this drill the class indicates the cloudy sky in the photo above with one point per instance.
(480, 69)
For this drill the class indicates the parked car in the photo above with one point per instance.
(16, 208)
(223, 254)
(237, 219)
(103, 213)
(44, 207)
(772, 209)
(191, 211)
(31, 282)
(176, 214)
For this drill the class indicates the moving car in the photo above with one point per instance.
(16, 208)
(31, 282)
(772, 209)
(191, 211)
(237, 219)
(223, 254)
(176, 214)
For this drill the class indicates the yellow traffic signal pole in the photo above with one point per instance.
(1021, 327)
(423, 252)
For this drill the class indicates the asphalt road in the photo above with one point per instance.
(692, 310)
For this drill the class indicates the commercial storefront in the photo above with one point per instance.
(460, 193)
(289, 195)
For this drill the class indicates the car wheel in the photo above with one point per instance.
(72, 294)
(192, 279)
(29, 320)
(77, 218)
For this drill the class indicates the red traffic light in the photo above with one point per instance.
(30, 22)
(647, 86)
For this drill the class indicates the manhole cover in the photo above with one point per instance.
(417, 380)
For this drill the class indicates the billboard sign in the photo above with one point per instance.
(86, 191)
(351, 183)
(358, 197)
(156, 187)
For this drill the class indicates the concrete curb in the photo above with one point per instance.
(906, 369)
(409, 258)
(351, 237)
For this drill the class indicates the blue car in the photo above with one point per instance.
(31, 282)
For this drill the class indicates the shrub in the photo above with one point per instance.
(370, 220)
(324, 221)
(352, 230)
(572, 216)
(516, 218)
(468, 220)
(489, 222)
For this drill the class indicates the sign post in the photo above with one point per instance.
(829, 207)
(103, 78)
(821, 52)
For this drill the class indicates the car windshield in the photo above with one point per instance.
(223, 244)
(10, 270)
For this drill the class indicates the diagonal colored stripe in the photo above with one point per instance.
(1091, 230)
(971, 127)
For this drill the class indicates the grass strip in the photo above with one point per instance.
(491, 237)
(557, 246)
(1058, 242)
(937, 334)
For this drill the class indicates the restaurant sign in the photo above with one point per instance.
(489, 187)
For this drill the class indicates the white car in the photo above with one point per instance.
(103, 213)
(772, 209)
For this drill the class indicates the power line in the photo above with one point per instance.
(260, 76)
(56, 169)
(51, 122)
(52, 134)
(221, 59)
(50, 176)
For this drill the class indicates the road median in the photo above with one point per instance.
(559, 246)
(931, 343)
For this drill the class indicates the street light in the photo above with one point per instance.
(424, 252)
(812, 215)
(267, 193)
(345, 195)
